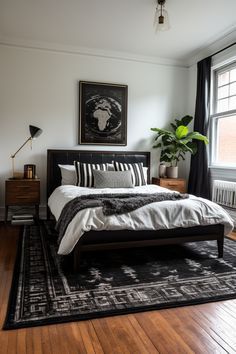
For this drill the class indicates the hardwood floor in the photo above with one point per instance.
(233, 235)
(208, 328)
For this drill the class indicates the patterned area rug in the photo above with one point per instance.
(44, 290)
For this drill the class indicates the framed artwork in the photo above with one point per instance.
(102, 113)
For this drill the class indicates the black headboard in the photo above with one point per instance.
(67, 157)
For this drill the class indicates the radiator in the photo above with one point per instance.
(224, 193)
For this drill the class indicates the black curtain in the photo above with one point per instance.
(199, 176)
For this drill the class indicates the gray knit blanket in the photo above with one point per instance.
(111, 204)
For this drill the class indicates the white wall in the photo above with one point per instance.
(40, 87)
(192, 89)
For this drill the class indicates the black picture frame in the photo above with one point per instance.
(102, 113)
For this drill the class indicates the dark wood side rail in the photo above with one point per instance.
(163, 237)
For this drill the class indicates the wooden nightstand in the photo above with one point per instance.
(22, 192)
(175, 184)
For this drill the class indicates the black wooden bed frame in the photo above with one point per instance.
(105, 240)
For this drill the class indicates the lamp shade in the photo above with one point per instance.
(162, 20)
(34, 131)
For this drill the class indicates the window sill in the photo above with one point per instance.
(220, 167)
(223, 173)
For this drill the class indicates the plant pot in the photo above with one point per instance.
(172, 172)
(162, 170)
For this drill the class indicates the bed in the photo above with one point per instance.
(126, 238)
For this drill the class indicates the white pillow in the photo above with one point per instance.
(68, 175)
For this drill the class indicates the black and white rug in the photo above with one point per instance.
(44, 291)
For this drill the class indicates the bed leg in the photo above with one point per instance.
(48, 213)
(76, 258)
(220, 244)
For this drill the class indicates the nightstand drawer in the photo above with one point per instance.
(25, 190)
(22, 185)
(175, 184)
(22, 191)
(17, 198)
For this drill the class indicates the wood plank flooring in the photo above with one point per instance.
(233, 235)
(208, 328)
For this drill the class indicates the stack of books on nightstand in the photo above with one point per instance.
(22, 219)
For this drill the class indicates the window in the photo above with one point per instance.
(223, 118)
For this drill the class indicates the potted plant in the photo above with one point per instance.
(175, 143)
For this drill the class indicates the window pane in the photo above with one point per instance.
(223, 78)
(223, 105)
(226, 145)
(232, 102)
(233, 75)
(232, 89)
(223, 91)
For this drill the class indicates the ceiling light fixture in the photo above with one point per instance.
(161, 19)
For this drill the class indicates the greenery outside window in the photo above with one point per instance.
(223, 118)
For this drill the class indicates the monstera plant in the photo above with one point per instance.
(175, 143)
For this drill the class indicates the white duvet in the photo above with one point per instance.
(189, 212)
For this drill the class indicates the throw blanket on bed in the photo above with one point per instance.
(111, 204)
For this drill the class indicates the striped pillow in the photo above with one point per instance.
(84, 173)
(137, 171)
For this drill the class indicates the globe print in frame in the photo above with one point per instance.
(103, 113)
